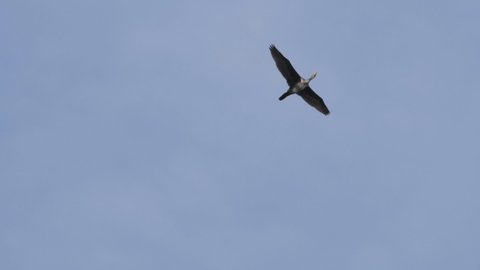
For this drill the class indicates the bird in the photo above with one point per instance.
(297, 85)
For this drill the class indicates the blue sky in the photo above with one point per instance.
(149, 135)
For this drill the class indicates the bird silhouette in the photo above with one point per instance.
(297, 85)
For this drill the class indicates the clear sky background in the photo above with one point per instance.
(149, 135)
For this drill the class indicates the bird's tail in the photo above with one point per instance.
(286, 94)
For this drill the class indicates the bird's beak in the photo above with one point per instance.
(313, 76)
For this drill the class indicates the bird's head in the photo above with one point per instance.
(312, 77)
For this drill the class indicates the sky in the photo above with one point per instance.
(149, 135)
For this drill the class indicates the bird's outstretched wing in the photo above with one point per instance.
(284, 66)
(313, 99)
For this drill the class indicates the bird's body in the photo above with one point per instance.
(297, 85)
(301, 85)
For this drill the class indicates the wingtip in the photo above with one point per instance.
(272, 46)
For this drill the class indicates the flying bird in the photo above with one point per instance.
(297, 85)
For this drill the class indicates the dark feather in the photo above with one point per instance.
(284, 67)
(286, 94)
(314, 100)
